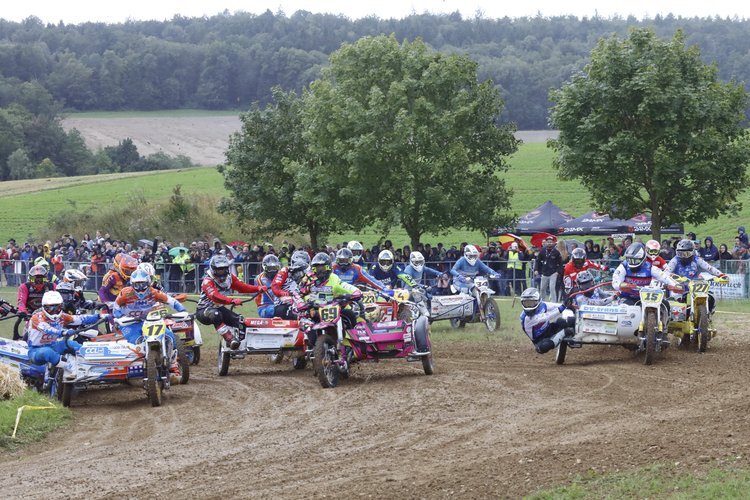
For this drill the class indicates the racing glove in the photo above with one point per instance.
(236, 302)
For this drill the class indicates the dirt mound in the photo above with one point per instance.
(494, 420)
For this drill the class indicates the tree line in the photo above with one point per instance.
(230, 61)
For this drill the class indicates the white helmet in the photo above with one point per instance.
(416, 259)
(76, 277)
(652, 249)
(530, 300)
(148, 268)
(385, 260)
(356, 248)
(471, 254)
(52, 304)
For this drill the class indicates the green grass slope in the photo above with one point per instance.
(531, 177)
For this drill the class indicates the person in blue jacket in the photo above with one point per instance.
(352, 273)
(417, 271)
(468, 267)
(543, 322)
(386, 271)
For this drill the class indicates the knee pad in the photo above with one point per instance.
(544, 345)
(209, 316)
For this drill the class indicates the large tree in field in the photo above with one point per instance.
(414, 134)
(273, 179)
(646, 127)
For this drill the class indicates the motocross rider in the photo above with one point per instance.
(636, 271)
(117, 278)
(211, 308)
(586, 294)
(467, 268)
(542, 321)
(653, 248)
(321, 286)
(356, 249)
(352, 273)
(71, 289)
(30, 293)
(51, 276)
(417, 271)
(136, 300)
(46, 329)
(151, 271)
(578, 263)
(385, 271)
(266, 301)
(285, 285)
(687, 263)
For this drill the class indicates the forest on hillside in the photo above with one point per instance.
(229, 61)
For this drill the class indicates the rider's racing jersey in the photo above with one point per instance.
(691, 270)
(417, 277)
(388, 278)
(283, 285)
(355, 274)
(639, 277)
(213, 293)
(463, 268)
(112, 285)
(323, 293)
(596, 298)
(266, 298)
(129, 304)
(571, 272)
(535, 325)
(29, 298)
(43, 331)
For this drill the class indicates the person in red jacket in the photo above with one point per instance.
(285, 285)
(212, 310)
(652, 250)
(578, 263)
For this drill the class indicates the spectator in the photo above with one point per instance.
(666, 252)
(548, 266)
(742, 235)
(709, 252)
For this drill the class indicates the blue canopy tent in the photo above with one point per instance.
(545, 218)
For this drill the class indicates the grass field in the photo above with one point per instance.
(26, 205)
(34, 424)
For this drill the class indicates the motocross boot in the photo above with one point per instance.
(69, 366)
(228, 336)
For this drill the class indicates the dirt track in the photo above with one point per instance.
(495, 420)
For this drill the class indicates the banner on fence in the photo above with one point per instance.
(735, 289)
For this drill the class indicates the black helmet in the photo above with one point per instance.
(585, 281)
(578, 256)
(685, 251)
(321, 266)
(344, 258)
(530, 299)
(271, 265)
(635, 255)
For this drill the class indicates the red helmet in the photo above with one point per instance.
(124, 265)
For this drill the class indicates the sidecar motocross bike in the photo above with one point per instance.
(641, 328)
(477, 306)
(336, 349)
(691, 319)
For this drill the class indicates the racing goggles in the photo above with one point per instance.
(40, 280)
(357, 253)
(220, 273)
(685, 254)
(653, 252)
(140, 286)
(529, 303)
(53, 308)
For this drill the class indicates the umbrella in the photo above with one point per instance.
(232, 251)
(146, 243)
(174, 251)
(538, 239)
(506, 239)
(236, 243)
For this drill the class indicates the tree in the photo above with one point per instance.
(415, 135)
(19, 165)
(647, 127)
(272, 177)
(124, 156)
(46, 169)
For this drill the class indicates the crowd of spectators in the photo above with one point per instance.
(181, 264)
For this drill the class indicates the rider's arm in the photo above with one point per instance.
(241, 287)
(79, 319)
(407, 279)
(278, 283)
(705, 266)
(366, 278)
(485, 268)
(105, 291)
(618, 277)
(341, 288)
(23, 295)
(167, 299)
(662, 276)
(213, 294)
(459, 266)
(671, 265)
(432, 272)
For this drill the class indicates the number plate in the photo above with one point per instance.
(700, 287)
(368, 298)
(329, 314)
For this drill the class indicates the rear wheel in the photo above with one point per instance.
(650, 335)
(183, 362)
(299, 363)
(491, 314)
(703, 335)
(196, 354)
(223, 361)
(324, 361)
(562, 350)
(457, 323)
(18, 329)
(422, 338)
(66, 394)
(153, 384)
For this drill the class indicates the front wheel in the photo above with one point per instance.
(18, 328)
(196, 354)
(153, 384)
(703, 336)
(183, 362)
(324, 361)
(650, 335)
(562, 350)
(491, 314)
(223, 361)
(66, 394)
(422, 338)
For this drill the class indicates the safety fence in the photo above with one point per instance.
(513, 277)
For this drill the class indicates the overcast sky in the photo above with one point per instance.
(113, 11)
